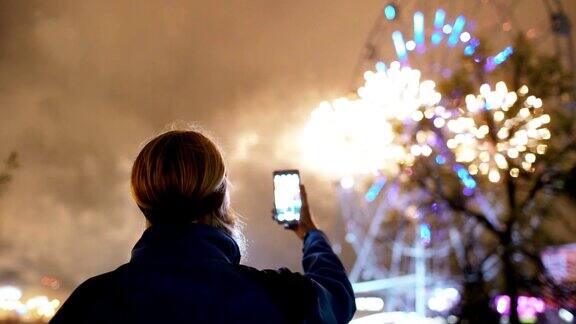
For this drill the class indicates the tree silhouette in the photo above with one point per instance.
(525, 201)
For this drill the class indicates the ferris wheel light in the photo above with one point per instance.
(469, 50)
(439, 18)
(438, 24)
(483, 144)
(399, 45)
(419, 28)
(494, 176)
(501, 57)
(466, 178)
(485, 89)
(425, 234)
(390, 11)
(374, 190)
(471, 47)
(436, 38)
(456, 31)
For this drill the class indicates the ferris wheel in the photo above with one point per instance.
(405, 244)
(433, 35)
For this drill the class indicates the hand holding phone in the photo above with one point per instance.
(291, 207)
(287, 200)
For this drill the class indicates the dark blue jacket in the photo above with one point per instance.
(191, 274)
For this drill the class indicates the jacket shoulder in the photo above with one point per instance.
(94, 286)
(85, 298)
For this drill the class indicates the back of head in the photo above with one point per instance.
(180, 177)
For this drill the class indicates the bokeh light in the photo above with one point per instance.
(373, 133)
(499, 131)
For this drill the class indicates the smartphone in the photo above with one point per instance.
(287, 201)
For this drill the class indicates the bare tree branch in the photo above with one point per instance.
(540, 179)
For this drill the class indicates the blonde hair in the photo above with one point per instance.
(180, 177)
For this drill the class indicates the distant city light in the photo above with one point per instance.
(350, 237)
(10, 293)
(42, 306)
(38, 307)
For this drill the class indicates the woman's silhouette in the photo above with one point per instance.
(185, 267)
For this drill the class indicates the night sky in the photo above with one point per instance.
(84, 83)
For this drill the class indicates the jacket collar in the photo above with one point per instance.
(182, 244)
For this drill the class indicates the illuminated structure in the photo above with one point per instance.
(13, 306)
(404, 236)
(375, 138)
(433, 35)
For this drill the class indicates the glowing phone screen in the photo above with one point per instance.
(287, 197)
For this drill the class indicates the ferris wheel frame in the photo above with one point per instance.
(411, 47)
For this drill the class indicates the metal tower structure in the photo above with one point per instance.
(406, 245)
(432, 35)
(391, 230)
